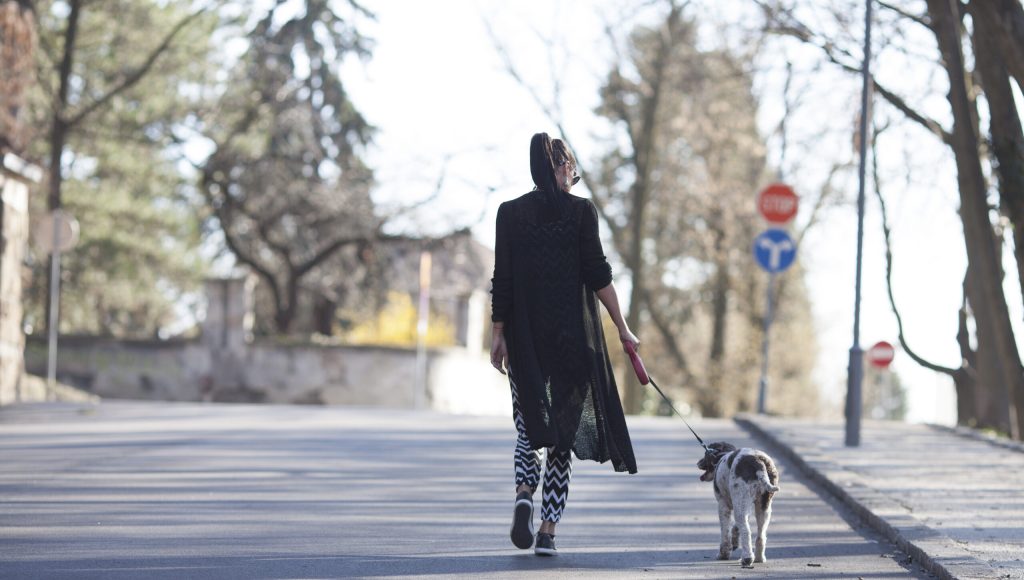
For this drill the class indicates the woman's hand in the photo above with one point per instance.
(499, 352)
(625, 335)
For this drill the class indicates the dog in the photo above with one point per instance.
(745, 481)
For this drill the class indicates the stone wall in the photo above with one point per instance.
(15, 178)
(226, 365)
(457, 381)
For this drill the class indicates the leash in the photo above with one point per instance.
(641, 373)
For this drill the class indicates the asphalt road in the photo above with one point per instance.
(148, 490)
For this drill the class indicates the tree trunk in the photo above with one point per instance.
(58, 140)
(632, 393)
(985, 284)
(711, 403)
(640, 197)
(990, 397)
(59, 130)
(59, 136)
(1005, 21)
(965, 378)
(286, 312)
(645, 154)
(323, 315)
(1007, 138)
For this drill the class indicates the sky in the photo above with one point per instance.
(451, 120)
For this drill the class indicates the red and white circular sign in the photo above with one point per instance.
(777, 203)
(881, 354)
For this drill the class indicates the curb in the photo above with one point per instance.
(980, 436)
(903, 530)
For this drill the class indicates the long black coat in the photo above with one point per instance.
(548, 265)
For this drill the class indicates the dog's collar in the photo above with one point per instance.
(716, 456)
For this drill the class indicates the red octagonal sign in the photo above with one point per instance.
(881, 354)
(777, 203)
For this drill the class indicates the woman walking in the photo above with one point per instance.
(549, 273)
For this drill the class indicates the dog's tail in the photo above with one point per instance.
(762, 476)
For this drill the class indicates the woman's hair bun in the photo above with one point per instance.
(542, 167)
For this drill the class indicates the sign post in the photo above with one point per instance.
(422, 324)
(56, 233)
(774, 251)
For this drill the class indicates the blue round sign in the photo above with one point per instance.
(774, 250)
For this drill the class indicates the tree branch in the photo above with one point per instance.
(668, 337)
(556, 120)
(510, 68)
(888, 268)
(263, 227)
(136, 75)
(246, 259)
(931, 125)
(430, 198)
(918, 18)
(326, 252)
(796, 29)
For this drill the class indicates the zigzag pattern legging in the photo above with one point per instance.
(557, 472)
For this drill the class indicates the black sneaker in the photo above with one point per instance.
(522, 521)
(545, 545)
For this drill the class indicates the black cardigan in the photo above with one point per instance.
(548, 265)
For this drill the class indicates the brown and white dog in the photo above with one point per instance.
(745, 481)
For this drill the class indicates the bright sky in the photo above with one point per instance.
(438, 92)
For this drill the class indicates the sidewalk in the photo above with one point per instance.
(949, 498)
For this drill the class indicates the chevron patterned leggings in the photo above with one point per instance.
(557, 471)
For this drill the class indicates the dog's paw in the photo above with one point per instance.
(760, 559)
(724, 555)
(747, 562)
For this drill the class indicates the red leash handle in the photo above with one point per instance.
(641, 373)
(638, 365)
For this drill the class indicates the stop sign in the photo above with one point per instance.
(880, 354)
(777, 203)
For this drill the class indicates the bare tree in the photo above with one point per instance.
(993, 53)
(997, 399)
(675, 186)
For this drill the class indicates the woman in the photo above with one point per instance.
(549, 273)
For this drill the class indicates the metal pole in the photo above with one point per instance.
(420, 386)
(856, 369)
(762, 396)
(51, 350)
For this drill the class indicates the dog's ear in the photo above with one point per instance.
(721, 447)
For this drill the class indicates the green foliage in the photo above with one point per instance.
(138, 253)
(286, 182)
(884, 396)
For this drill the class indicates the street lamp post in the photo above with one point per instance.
(856, 369)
